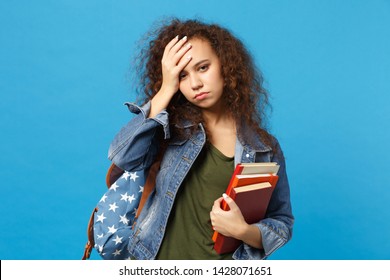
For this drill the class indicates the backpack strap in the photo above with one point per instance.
(149, 185)
(113, 174)
(91, 241)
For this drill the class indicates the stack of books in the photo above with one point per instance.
(251, 187)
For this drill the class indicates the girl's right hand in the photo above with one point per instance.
(173, 62)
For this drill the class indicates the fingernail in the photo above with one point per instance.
(184, 38)
(225, 195)
(189, 57)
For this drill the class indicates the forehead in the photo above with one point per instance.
(201, 49)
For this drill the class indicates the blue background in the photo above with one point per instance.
(64, 76)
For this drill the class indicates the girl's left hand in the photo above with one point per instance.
(230, 223)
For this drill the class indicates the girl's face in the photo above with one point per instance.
(201, 81)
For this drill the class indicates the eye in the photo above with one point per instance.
(204, 67)
(182, 75)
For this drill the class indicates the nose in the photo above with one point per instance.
(195, 81)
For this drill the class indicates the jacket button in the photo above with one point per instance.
(247, 155)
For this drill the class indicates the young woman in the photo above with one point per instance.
(203, 113)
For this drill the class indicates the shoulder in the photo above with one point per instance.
(275, 146)
(260, 140)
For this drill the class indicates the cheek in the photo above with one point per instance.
(184, 88)
(219, 82)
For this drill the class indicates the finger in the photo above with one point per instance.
(183, 50)
(169, 46)
(216, 209)
(217, 202)
(229, 201)
(178, 55)
(184, 61)
(177, 46)
(175, 55)
(212, 219)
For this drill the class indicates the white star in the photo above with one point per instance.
(99, 236)
(113, 207)
(131, 198)
(112, 229)
(114, 187)
(99, 248)
(133, 176)
(123, 219)
(126, 175)
(101, 218)
(141, 189)
(103, 198)
(117, 239)
(117, 252)
(124, 196)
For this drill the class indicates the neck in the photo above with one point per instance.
(221, 131)
(215, 118)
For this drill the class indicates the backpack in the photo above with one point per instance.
(115, 173)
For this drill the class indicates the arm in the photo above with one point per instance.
(136, 145)
(272, 232)
(277, 226)
(172, 64)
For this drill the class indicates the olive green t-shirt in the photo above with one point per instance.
(189, 232)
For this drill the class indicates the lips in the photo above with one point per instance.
(201, 95)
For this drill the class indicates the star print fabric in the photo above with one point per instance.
(115, 216)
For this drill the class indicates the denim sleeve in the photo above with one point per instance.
(276, 229)
(136, 145)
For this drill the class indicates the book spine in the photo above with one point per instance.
(233, 181)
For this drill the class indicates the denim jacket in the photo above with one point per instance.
(136, 146)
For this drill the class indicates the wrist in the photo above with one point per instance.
(251, 235)
(167, 91)
(243, 231)
(159, 102)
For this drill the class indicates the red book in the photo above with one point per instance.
(252, 203)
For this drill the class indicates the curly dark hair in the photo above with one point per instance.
(244, 94)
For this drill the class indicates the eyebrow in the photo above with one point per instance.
(200, 62)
